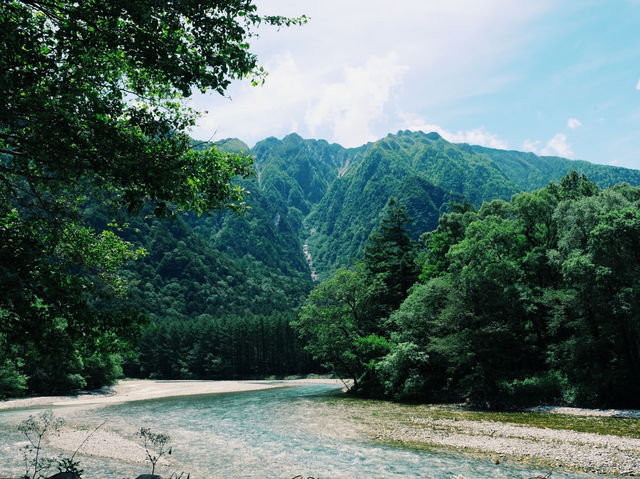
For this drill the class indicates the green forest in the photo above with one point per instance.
(531, 301)
(420, 269)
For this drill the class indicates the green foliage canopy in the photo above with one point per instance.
(529, 301)
(523, 302)
(336, 325)
(93, 96)
(390, 256)
(92, 104)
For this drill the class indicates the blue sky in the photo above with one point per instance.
(556, 77)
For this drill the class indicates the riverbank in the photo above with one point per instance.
(550, 439)
(604, 442)
(128, 390)
(101, 441)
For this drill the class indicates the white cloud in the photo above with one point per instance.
(476, 136)
(338, 107)
(253, 113)
(530, 145)
(347, 109)
(638, 85)
(557, 146)
(573, 123)
(446, 51)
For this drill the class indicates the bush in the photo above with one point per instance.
(100, 370)
(12, 382)
(547, 388)
(402, 373)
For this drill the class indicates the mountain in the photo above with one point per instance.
(297, 172)
(335, 195)
(312, 206)
(321, 198)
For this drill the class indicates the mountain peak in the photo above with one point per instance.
(434, 136)
(293, 138)
(232, 145)
(418, 134)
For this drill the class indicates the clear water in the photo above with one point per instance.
(275, 433)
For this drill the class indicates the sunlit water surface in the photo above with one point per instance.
(276, 433)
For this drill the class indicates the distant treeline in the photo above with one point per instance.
(183, 308)
(213, 314)
(209, 347)
(530, 301)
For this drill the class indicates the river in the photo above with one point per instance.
(276, 433)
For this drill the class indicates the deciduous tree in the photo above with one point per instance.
(93, 104)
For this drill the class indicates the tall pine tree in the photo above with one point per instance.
(390, 257)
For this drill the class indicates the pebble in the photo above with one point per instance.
(584, 451)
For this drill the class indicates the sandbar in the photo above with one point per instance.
(128, 390)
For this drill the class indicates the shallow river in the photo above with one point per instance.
(275, 433)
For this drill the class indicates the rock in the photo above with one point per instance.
(65, 475)
(148, 476)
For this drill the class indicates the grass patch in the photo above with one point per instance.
(402, 413)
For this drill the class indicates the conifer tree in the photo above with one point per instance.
(390, 256)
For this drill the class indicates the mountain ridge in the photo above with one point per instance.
(312, 208)
(337, 193)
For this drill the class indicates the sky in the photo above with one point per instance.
(555, 77)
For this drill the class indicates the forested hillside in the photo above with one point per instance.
(523, 302)
(220, 290)
(332, 197)
(425, 173)
(231, 280)
(235, 275)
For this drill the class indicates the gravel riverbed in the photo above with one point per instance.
(560, 448)
(570, 447)
(567, 447)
